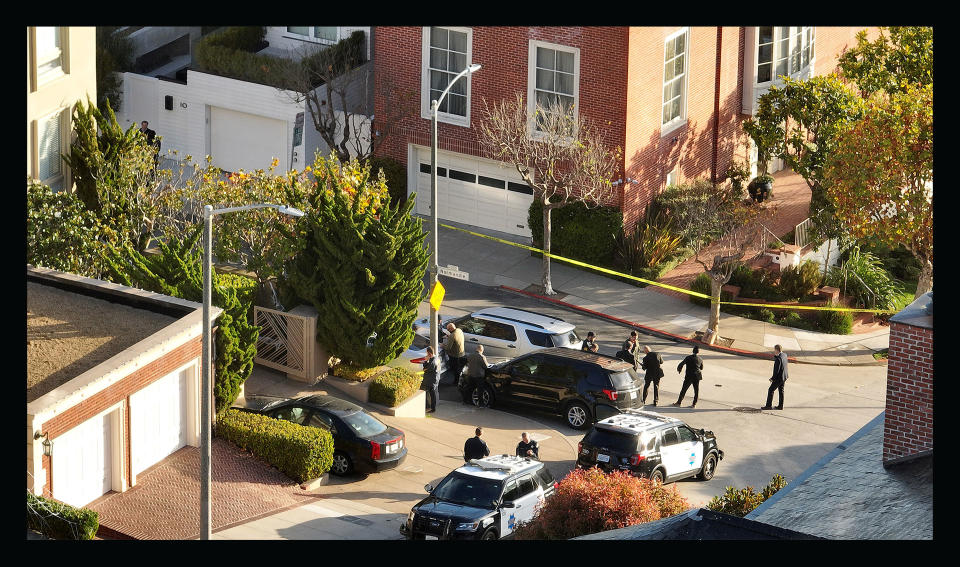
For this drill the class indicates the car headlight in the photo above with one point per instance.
(411, 516)
(468, 527)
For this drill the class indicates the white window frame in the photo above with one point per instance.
(674, 123)
(311, 30)
(799, 44)
(58, 117)
(532, 81)
(425, 100)
(57, 54)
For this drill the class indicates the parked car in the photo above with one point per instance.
(507, 332)
(581, 386)
(484, 499)
(650, 445)
(361, 442)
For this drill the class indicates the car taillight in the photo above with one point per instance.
(580, 447)
(612, 394)
(420, 360)
(374, 450)
(635, 459)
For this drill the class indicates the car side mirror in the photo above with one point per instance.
(428, 487)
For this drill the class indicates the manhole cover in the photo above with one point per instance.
(747, 410)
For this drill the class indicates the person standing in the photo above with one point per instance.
(630, 350)
(476, 371)
(652, 362)
(475, 448)
(527, 447)
(694, 365)
(779, 377)
(152, 139)
(590, 344)
(453, 346)
(431, 381)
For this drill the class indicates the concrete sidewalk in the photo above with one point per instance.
(497, 264)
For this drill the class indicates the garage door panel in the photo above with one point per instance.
(239, 140)
(82, 462)
(158, 420)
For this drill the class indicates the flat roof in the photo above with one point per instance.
(69, 333)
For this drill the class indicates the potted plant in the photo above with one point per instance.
(761, 187)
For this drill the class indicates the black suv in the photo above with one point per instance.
(650, 445)
(581, 386)
(484, 499)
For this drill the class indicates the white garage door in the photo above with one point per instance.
(245, 141)
(158, 420)
(82, 462)
(474, 192)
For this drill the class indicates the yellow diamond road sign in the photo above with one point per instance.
(436, 296)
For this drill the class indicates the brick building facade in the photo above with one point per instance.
(908, 426)
(624, 80)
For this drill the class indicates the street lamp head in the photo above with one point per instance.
(292, 211)
(473, 68)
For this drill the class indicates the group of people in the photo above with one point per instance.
(475, 363)
(652, 363)
(476, 448)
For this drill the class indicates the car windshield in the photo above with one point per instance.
(469, 490)
(624, 380)
(363, 424)
(619, 442)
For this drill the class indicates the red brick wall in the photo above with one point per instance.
(117, 392)
(908, 423)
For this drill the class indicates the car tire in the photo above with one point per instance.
(577, 415)
(657, 475)
(489, 534)
(342, 465)
(482, 396)
(709, 467)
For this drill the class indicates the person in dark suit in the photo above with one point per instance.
(527, 447)
(694, 365)
(475, 448)
(651, 362)
(152, 139)
(779, 377)
(431, 381)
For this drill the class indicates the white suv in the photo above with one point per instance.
(484, 499)
(508, 332)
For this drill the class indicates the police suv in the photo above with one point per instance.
(651, 445)
(484, 499)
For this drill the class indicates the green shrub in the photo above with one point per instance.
(797, 282)
(792, 319)
(62, 234)
(652, 242)
(392, 387)
(300, 452)
(396, 175)
(679, 202)
(766, 315)
(835, 322)
(742, 502)
(701, 283)
(588, 501)
(863, 277)
(578, 232)
(60, 521)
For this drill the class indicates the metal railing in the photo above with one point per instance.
(283, 341)
(801, 233)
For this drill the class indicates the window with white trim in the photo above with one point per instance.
(554, 77)
(325, 34)
(49, 148)
(48, 52)
(675, 57)
(446, 52)
(783, 50)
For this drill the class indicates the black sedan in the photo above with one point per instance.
(361, 442)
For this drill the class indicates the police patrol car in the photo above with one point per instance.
(484, 499)
(649, 444)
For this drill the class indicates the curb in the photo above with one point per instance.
(666, 335)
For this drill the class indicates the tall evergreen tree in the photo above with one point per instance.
(178, 271)
(361, 264)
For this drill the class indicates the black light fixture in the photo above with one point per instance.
(47, 445)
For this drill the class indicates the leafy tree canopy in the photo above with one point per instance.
(891, 63)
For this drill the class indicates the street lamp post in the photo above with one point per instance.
(206, 394)
(434, 266)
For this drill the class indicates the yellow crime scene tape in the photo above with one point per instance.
(663, 285)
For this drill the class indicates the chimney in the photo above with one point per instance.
(908, 422)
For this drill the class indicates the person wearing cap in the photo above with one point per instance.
(590, 344)
(527, 447)
(694, 365)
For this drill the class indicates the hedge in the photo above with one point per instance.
(60, 521)
(300, 452)
(393, 387)
(578, 232)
